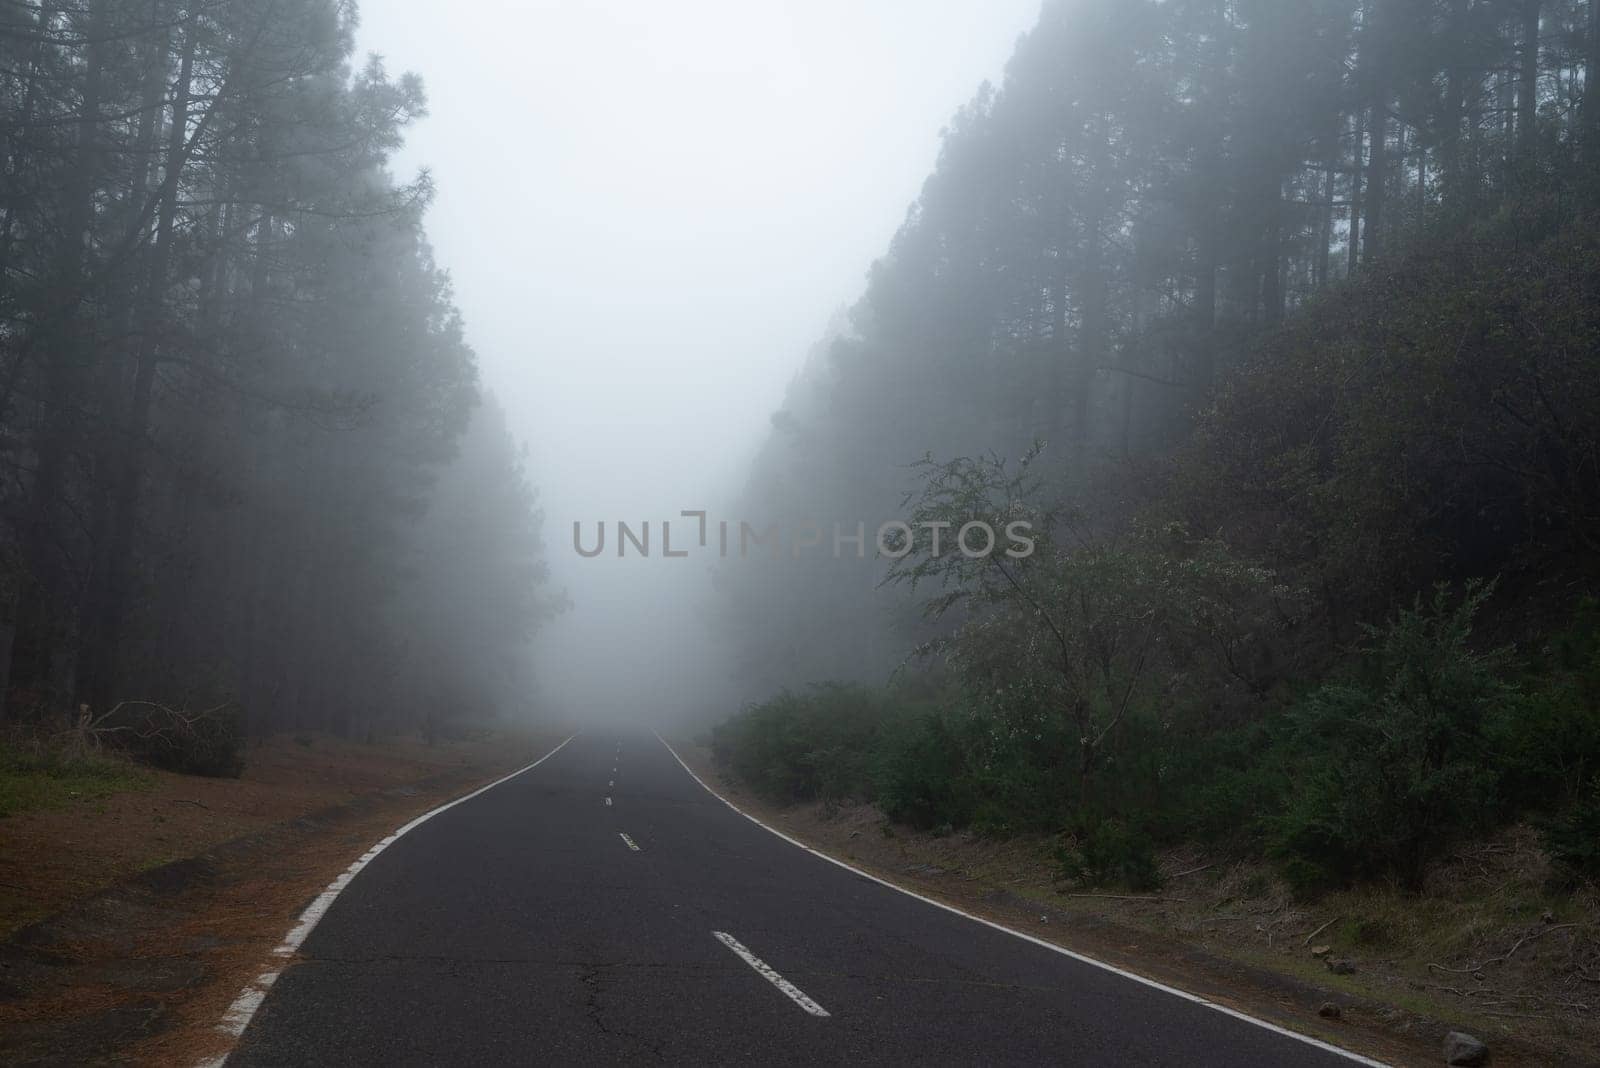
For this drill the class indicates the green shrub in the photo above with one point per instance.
(1549, 740)
(1390, 772)
(1222, 787)
(1111, 853)
(922, 775)
(816, 746)
(1573, 838)
(1547, 744)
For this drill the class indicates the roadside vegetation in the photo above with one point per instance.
(1316, 637)
(41, 774)
(1287, 347)
(1415, 744)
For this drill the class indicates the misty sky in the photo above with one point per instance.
(651, 209)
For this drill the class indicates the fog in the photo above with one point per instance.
(650, 212)
(1163, 435)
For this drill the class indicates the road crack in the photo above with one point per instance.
(595, 985)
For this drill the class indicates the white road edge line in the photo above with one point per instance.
(631, 843)
(244, 1007)
(795, 993)
(1112, 968)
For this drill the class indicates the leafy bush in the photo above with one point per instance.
(1573, 838)
(816, 746)
(922, 778)
(1392, 770)
(1549, 741)
(1111, 853)
(1553, 746)
(1087, 635)
(1547, 745)
(1222, 787)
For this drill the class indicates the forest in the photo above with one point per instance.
(1280, 321)
(1277, 321)
(249, 480)
(1262, 337)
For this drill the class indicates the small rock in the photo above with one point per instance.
(1462, 1048)
(1321, 951)
(1548, 916)
(1341, 967)
(1330, 1011)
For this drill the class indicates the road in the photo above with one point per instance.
(604, 908)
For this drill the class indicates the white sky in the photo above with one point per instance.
(651, 208)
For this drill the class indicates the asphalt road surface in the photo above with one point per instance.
(603, 908)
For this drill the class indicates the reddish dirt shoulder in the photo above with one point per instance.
(162, 904)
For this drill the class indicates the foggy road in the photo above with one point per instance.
(604, 908)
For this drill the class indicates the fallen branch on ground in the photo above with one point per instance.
(1530, 936)
(1193, 871)
(1319, 930)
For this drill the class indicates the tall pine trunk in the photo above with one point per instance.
(1055, 386)
(1452, 155)
(16, 146)
(1528, 83)
(40, 647)
(111, 380)
(1092, 329)
(109, 595)
(1378, 158)
(1591, 87)
(1358, 154)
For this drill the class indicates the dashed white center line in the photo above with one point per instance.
(608, 802)
(631, 844)
(795, 993)
(613, 782)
